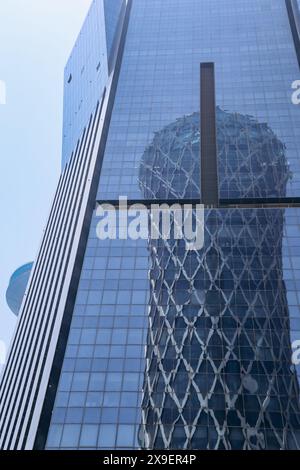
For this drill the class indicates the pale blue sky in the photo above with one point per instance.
(36, 38)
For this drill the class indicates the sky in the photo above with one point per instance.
(36, 39)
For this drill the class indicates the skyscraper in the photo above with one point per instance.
(143, 344)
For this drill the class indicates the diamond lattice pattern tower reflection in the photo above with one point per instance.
(219, 372)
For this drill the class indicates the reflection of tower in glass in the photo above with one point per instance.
(219, 373)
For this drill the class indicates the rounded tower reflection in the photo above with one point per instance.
(218, 362)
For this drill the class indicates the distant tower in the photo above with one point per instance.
(17, 287)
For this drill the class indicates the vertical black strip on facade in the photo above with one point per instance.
(294, 17)
(114, 48)
(209, 164)
(45, 419)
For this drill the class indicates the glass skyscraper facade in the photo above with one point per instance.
(144, 344)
